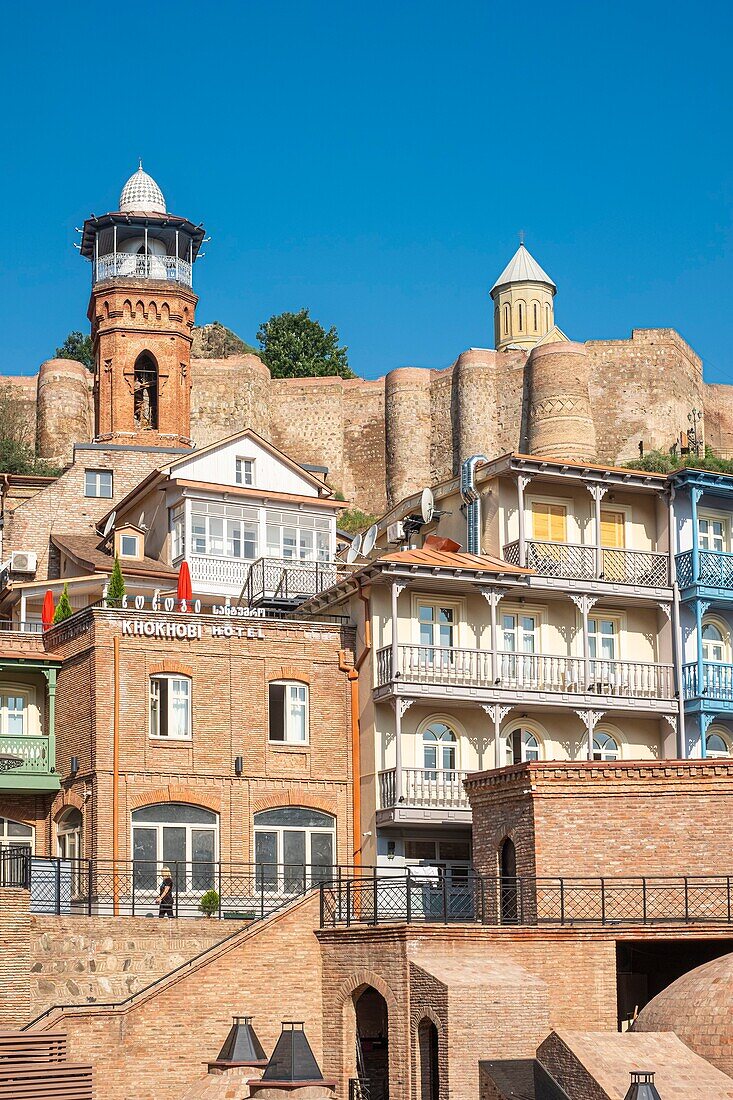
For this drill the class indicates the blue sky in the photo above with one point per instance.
(376, 162)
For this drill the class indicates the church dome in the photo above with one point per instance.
(141, 193)
(698, 1007)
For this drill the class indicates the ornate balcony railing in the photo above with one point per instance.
(717, 681)
(571, 561)
(288, 580)
(128, 265)
(715, 570)
(35, 752)
(472, 668)
(227, 572)
(424, 787)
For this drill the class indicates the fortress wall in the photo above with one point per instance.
(409, 425)
(65, 403)
(228, 395)
(365, 465)
(718, 421)
(642, 388)
(508, 429)
(560, 420)
(442, 429)
(474, 404)
(24, 390)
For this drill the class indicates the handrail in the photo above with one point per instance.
(581, 561)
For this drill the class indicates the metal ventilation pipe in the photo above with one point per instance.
(472, 500)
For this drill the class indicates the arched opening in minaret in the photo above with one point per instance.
(145, 392)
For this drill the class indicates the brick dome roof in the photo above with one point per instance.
(142, 194)
(698, 1007)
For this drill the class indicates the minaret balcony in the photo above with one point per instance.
(126, 265)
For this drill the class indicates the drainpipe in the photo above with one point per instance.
(115, 772)
(472, 500)
(352, 675)
(677, 656)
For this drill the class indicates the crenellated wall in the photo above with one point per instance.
(385, 438)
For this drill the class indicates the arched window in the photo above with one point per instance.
(14, 834)
(180, 836)
(536, 316)
(713, 643)
(548, 316)
(69, 841)
(507, 320)
(605, 747)
(439, 749)
(717, 743)
(522, 745)
(145, 391)
(520, 316)
(170, 707)
(294, 847)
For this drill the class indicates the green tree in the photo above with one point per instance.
(63, 607)
(77, 346)
(116, 586)
(295, 346)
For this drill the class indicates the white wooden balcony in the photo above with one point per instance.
(424, 794)
(571, 561)
(443, 666)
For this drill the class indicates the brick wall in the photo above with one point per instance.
(613, 819)
(155, 1047)
(15, 940)
(104, 959)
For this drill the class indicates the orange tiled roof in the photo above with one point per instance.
(443, 559)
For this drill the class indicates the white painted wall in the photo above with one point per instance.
(217, 467)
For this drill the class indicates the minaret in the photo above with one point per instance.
(142, 312)
(523, 303)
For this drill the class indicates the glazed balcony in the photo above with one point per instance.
(28, 763)
(714, 570)
(424, 794)
(544, 674)
(570, 561)
(128, 265)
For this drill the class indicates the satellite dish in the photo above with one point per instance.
(351, 555)
(427, 505)
(370, 539)
(109, 524)
(356, 544)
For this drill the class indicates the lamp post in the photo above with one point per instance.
(694, 440)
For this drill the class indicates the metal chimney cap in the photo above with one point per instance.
(241, 1046)
(642, 1086)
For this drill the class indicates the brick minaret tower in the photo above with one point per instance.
(142, 314)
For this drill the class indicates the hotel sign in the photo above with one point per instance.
(180, 631)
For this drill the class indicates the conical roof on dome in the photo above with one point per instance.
(141, 193)
(523, 268)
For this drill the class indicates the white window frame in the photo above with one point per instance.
(602, 751)
(242, 518)
(725, 642)
(244, 471)
(178, 531)
(7, 841)
(97, 484)
(725, 737)
(289, 726)
(190, 827)
(708, 516)
(458, 608)
(527, 727)
(292, 521)
(279, 830)
(154, 698)
(126, 553)
(31, 715)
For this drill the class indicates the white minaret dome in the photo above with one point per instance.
(141, 193)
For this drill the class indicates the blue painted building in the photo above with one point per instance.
(703, 509)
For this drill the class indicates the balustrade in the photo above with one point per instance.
(715, 569)
(33, 751)
(717, 680)
(424, 787)
(169, 269)
(572, 561)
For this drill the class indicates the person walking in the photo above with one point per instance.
(165, 894)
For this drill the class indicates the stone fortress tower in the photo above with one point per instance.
(536, 391)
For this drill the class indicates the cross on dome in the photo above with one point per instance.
(142, 194)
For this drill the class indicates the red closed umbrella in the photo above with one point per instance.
(48, 610)
(184, 591)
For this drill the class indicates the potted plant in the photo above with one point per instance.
(209, 903)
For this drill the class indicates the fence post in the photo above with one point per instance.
(603, 900)
(177, 882)
(338, 887)
(445, 898)
(218, 880)
(348, 903)
(562, 901)
(728, 892)
(134, 868)
(58, 886)
(321, 908)
(376, 899)
(687, 903)
(409, 897)
(262, 891)
(482, 895)
(643, 898)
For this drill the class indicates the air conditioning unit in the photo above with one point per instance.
(396, 532)
(23, 561)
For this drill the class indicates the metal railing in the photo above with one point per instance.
(170, 269)
(715, 569)
(717, 681)
(471, 899)
(423, 787)
(526, 671)
(86, 887)
(8, 627)
(572, 561)
(34, 751)
(287, 579)
(360, 1088)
